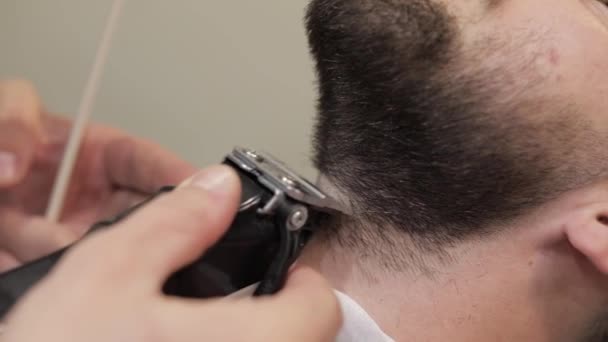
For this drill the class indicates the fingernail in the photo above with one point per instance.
(8, 166)
(214, 179)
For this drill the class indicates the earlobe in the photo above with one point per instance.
(588, 233)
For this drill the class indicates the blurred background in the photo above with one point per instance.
(196, 76)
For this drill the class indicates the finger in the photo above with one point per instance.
(120, 200)
(7, 261)
(143, 166)
(21, 129)
(305, 310)
(167, 233)
(28, 238)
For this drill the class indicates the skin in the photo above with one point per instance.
(117, 296)
(545, 277)
(113, 171)
(115, 276)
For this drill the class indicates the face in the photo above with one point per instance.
(567, 44)
(549, 279)
(545, 279)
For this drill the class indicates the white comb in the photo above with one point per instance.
(62, 180)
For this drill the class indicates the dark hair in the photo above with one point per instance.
(414, 135)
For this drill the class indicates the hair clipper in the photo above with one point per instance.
(278, 214)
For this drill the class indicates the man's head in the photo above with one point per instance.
(451, 122)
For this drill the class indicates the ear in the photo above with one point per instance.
(587, 231)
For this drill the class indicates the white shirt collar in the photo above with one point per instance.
(358, 326)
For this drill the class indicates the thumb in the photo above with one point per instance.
(21, 130)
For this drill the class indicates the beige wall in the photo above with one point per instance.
(197, 76)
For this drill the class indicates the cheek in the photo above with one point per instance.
(576, 58)
(569, 45)
(580, 63)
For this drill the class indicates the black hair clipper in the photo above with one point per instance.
(278, 214)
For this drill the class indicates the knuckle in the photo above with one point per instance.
(17, 119)
(18, 87)
(14, 117)
(19, 101)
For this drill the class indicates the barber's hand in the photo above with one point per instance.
(108, 288)
(113, 171)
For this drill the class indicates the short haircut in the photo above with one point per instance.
(416, 137)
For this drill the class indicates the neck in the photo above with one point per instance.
(448, 302)
(347, 274)
(432, 299)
